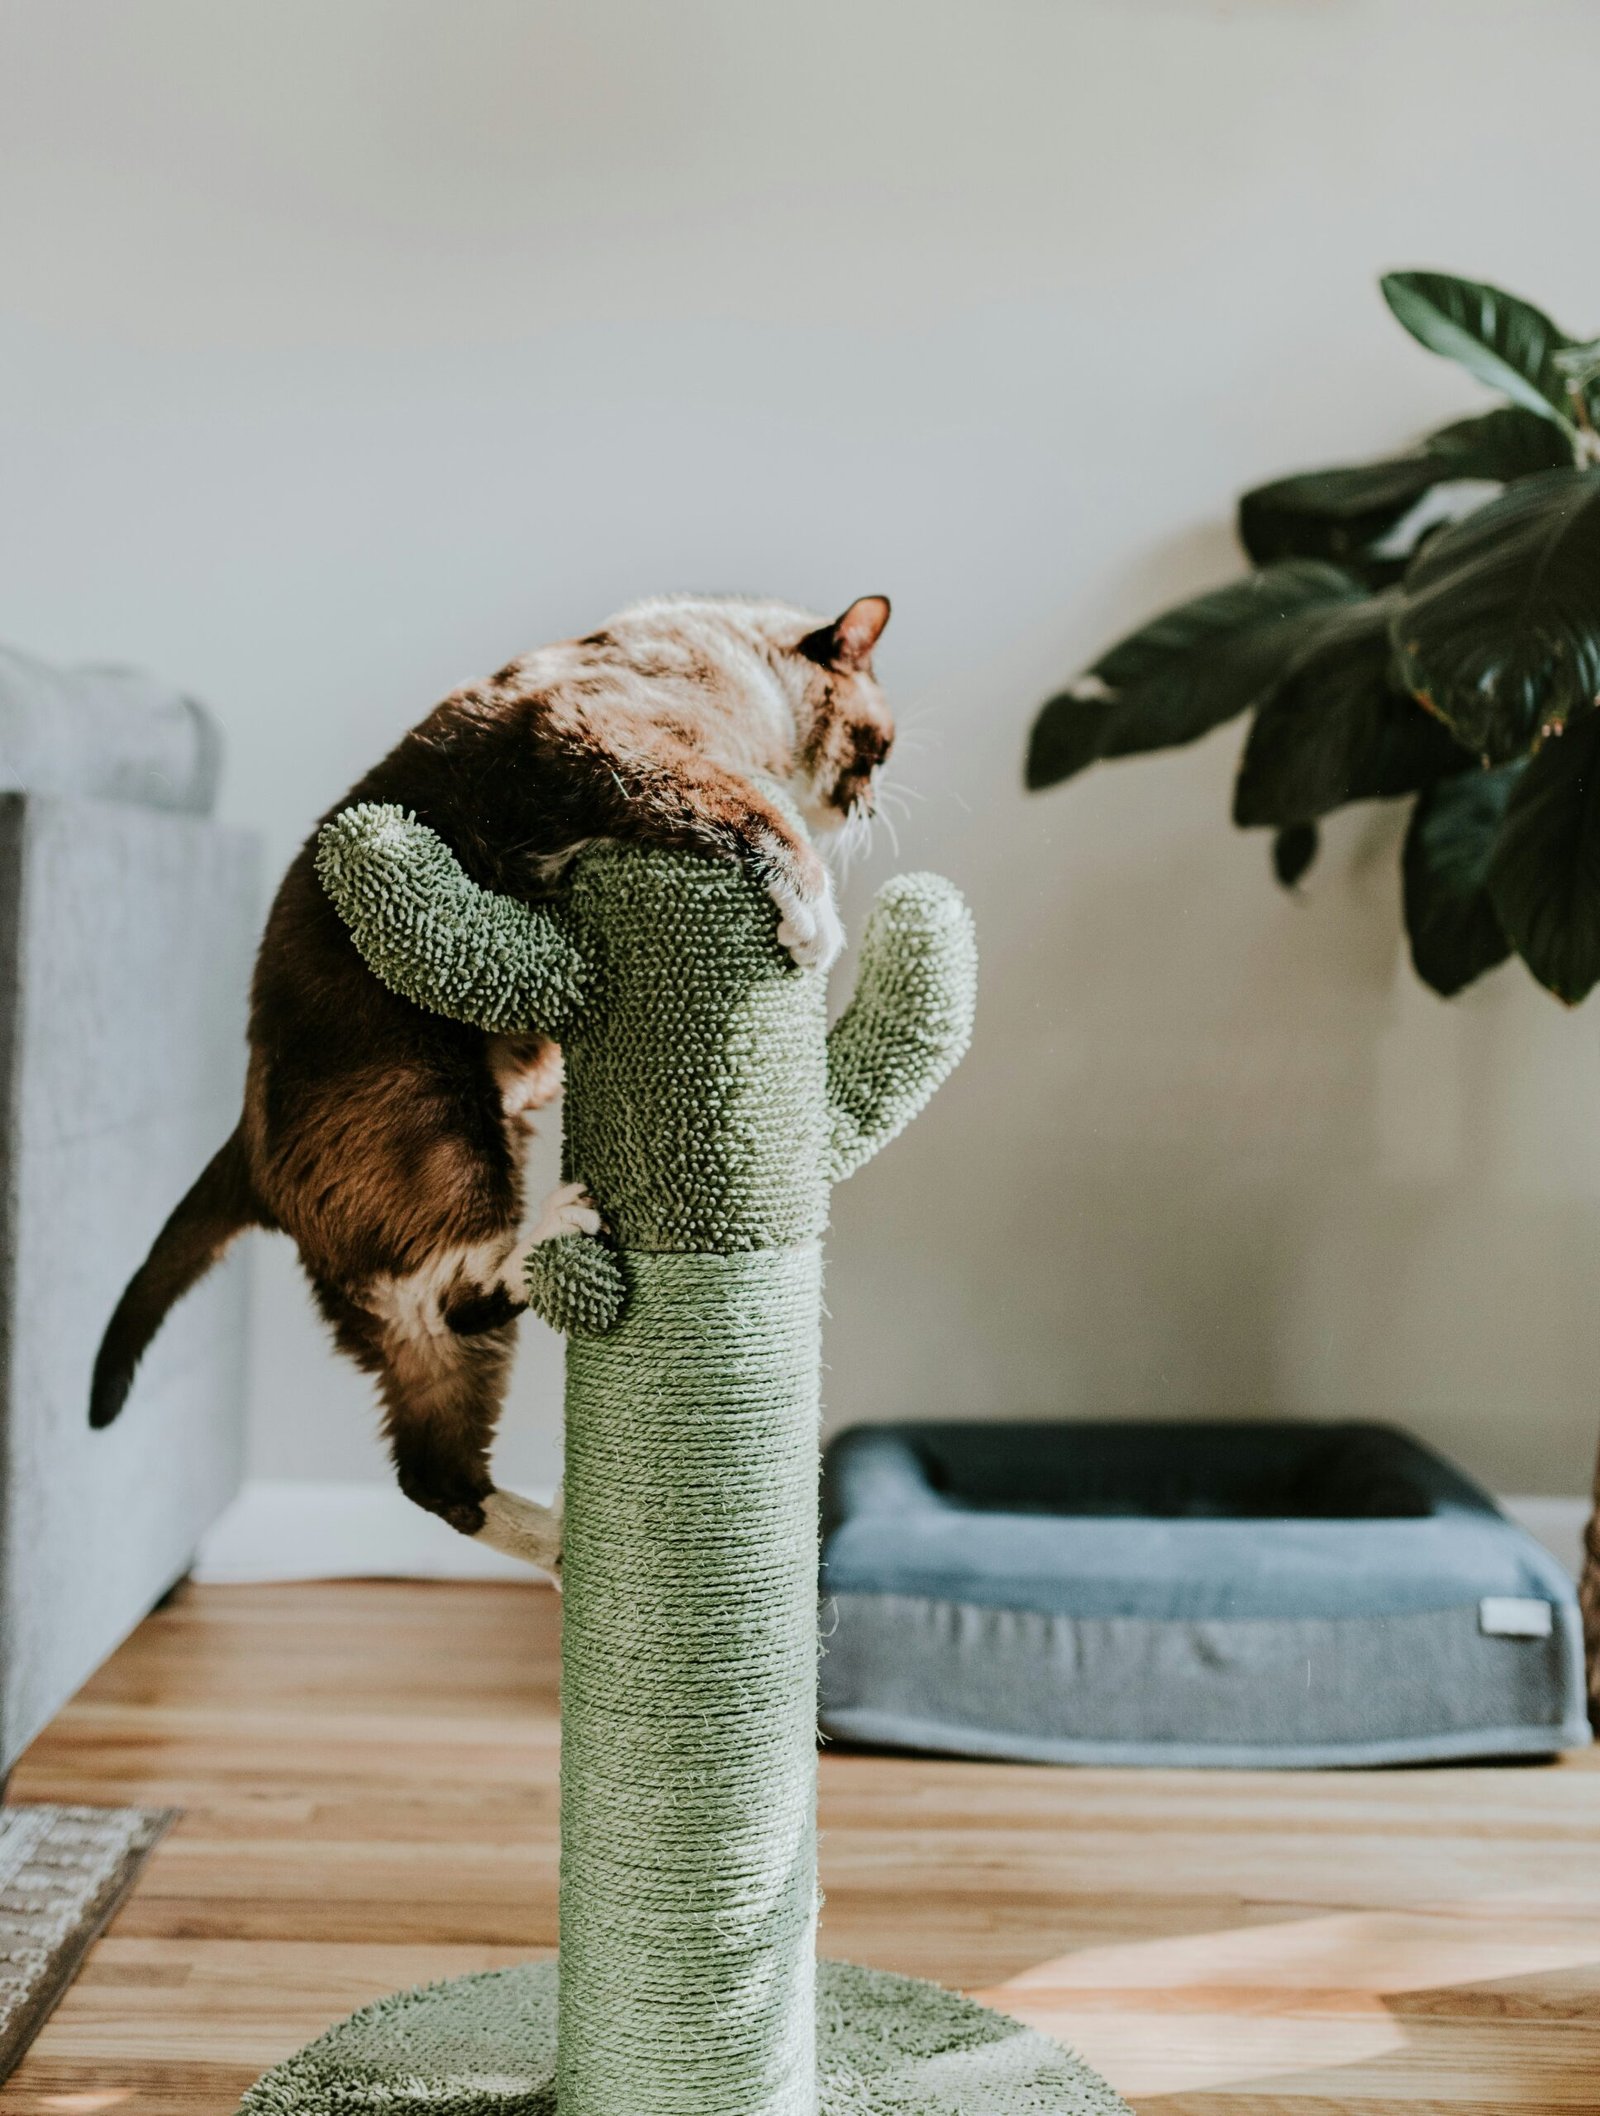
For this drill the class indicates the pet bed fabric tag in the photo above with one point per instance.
(1515, 1616)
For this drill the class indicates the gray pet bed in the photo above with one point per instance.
(1260, 1594)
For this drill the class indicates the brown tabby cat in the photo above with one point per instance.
(387, 1141)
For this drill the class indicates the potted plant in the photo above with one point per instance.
(1424, 627)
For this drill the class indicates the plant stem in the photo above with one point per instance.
(1586, 441)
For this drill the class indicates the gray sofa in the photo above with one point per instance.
(127, 920)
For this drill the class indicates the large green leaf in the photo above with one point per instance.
(1188, 670)
(1496, 336)
(1498, 626)
(1293, 850)
(1335, 730)
(1454, 929)
(1506, 444)
(1341, 514)
(1545, 874)
(1333, 514)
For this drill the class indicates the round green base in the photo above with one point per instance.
(486, 2046)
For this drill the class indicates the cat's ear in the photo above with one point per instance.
(848, 642)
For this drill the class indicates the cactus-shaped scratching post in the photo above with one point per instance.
(709, 1110)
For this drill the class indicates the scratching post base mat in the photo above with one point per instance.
(63, 1871)
(486, 2046)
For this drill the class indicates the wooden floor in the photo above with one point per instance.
(368, 1774)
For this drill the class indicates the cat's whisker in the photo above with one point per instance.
(915, 741)
(854, 838)
(892, 797)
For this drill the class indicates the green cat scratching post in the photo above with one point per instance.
(709, 1111)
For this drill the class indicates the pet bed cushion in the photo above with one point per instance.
(1251, 1594)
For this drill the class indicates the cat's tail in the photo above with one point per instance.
(220, 1205)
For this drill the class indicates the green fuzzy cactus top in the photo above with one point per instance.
(709, 1108)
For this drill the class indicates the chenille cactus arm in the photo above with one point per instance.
(432, 935)
(910, 1020)
(575, 1284)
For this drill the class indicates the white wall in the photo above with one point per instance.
(351, 345)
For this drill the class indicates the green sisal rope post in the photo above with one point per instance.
(709, 1110)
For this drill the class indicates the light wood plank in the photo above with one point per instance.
(368, 1774)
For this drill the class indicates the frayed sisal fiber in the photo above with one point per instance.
(709, 1110)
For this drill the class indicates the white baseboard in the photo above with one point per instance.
(293, 1531)
(290, 1531)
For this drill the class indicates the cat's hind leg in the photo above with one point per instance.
(522, 1528)
(442, 1389)
(440, 1343)
(442, 1397)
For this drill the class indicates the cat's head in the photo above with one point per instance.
(762, 687)
(844, 729)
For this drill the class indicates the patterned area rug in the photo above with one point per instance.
(63, 1871)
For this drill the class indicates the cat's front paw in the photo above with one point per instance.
(808, 921)
(568, 1209)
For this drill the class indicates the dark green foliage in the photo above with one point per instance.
(1405, 626)
(1544, 875)
(1504, 341)
(1335, 729)
(1504, 444)
(1333, 514)
(1342, 514)
(1498, 627)
(1293, 851)
(1454, 929)
(1188, 670)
